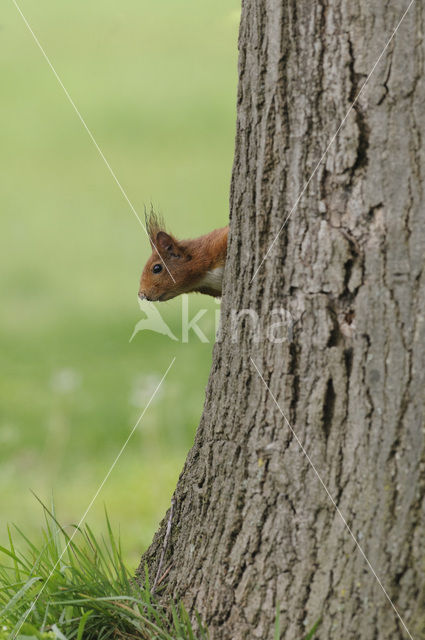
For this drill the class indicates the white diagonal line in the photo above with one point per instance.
(332, 141)
(92, 138)
(331, 499)
(94, 497)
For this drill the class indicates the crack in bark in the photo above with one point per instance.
(328, 408)
(362, 125)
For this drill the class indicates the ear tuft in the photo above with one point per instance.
(154, 224)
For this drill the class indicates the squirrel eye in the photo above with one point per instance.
(157, 268)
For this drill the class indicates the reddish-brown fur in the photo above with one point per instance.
(189, 262)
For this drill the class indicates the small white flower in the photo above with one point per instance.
(143, 388)
(65, 380)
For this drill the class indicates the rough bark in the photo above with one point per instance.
(253, 528)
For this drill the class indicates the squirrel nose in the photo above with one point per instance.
(142, 296)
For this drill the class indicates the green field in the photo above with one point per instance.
(156, 83)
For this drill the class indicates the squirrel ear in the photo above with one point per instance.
(166, 243)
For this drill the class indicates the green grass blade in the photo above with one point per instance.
(277, 623)
(58, 633)
(83, 623)
(313, 630)
(19, 595)
(11, 555)
(15, 559)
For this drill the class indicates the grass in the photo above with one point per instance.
(73, 585)
(156, 83)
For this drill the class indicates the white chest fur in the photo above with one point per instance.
(213, 279)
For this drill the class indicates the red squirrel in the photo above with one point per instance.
(182, 266)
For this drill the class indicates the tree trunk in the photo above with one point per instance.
(253, 528)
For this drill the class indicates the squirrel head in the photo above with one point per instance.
(166, 273)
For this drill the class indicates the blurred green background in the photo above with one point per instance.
(156, 83)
